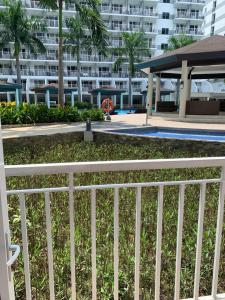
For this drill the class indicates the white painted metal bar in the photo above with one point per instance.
(93, 244)
(112, 186)
(26, 260)
(159, 243)
(116, 244)
(72, 237)
(49, 246)
(179, 242)
(6, 281)
(219, 230)
(137, 244)
(199, 241)
(106, 166)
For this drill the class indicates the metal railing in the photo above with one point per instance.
(72, 169)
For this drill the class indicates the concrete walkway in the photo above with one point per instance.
(118, 121)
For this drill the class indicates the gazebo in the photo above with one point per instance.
(11, 87)
(107, 91)
(203, 59)
(52, 89)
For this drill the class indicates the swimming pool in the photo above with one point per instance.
(175, 133)
(124, 111)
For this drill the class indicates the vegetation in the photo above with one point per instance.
(34, 114)
(133, 49)
(20, 30)
(88, 12)
(179, 42)
(37, 152)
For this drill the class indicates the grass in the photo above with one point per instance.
(60, 224)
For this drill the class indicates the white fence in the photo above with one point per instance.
(74, 168)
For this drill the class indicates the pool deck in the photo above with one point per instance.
(118, 121)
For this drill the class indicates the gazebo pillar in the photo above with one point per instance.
(157, 93)
(47, 98)
(92, 98)
(189, 90)
(17, 97)
(99, 100)
(177, 91)
(72, 99)
(35, 99)
(121, 101)
(183, 90)
(149, 96)
(143, 100)
(114, 100)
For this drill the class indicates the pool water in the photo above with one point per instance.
(124, 111)
(175, 133)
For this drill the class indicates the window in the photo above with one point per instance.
(165, 15)
(165, 30)
(164, 46)
(166, 1)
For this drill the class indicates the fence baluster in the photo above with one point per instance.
(49, 246)
(179, 241)
(72, 237)
(219, 230)
(199, 240)
(116, 244)
(159, 242)
(26, 259)
(137, 244)
(93, 244)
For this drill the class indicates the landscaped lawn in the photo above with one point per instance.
(72, 151)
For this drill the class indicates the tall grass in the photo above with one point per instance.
(60, 224)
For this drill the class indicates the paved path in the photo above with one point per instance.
(119, 121)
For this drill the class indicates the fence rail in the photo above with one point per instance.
(89, 167)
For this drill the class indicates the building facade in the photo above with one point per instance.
(158, 18)
(214, 12)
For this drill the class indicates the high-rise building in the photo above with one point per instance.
(214, 13)
(158, 18)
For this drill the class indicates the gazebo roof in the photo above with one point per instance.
(53, 89)
(107, 90)
(207, 57)
(9, 87)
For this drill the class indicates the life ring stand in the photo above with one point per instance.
(107, 105)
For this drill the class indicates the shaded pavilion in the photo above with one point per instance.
(11, 87)
(107, 91)
(53, 89)
(204, 59)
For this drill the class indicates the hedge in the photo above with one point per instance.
(33, 114)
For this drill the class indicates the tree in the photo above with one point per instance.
(87, 10)
(179, 42)
(132, 52)
(77, 39)
(20, 30)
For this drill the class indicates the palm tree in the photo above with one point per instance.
(20, 30)
(87, 10)
(76, 39)
(133, 50)
(179, 42)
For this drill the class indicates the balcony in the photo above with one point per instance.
(188, 15)
(62, 190)
(197, 2)
(189, 32)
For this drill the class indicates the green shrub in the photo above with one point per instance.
(32, 114)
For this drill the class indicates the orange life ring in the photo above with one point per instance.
(107, 105)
